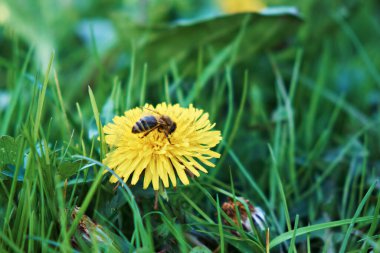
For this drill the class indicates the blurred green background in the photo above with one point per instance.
(96, 43)
(116, 46)
(300, 77)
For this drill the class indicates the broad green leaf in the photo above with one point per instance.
(200, 249)
(9, 171)
(68, 168)
(8, 150)
(158, 46)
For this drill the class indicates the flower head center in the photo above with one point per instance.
(157, 142)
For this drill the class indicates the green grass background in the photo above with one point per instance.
(296, 96)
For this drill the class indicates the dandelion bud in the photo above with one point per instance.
(256, 213)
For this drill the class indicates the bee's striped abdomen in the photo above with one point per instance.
(144, 124)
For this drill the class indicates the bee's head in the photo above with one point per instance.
(172, 128)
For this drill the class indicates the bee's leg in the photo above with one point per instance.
(146, 134)
(154, 128)
(167, 136)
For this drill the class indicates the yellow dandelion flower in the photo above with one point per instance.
(236, 6)
(162, 153)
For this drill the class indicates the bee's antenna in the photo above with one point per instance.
(152, 110)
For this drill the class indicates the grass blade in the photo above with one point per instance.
(313, 228)
(356, 215)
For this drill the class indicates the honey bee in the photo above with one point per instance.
(147, 124)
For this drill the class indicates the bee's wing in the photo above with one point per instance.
(149, 121)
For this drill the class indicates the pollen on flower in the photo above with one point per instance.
(162, 148)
